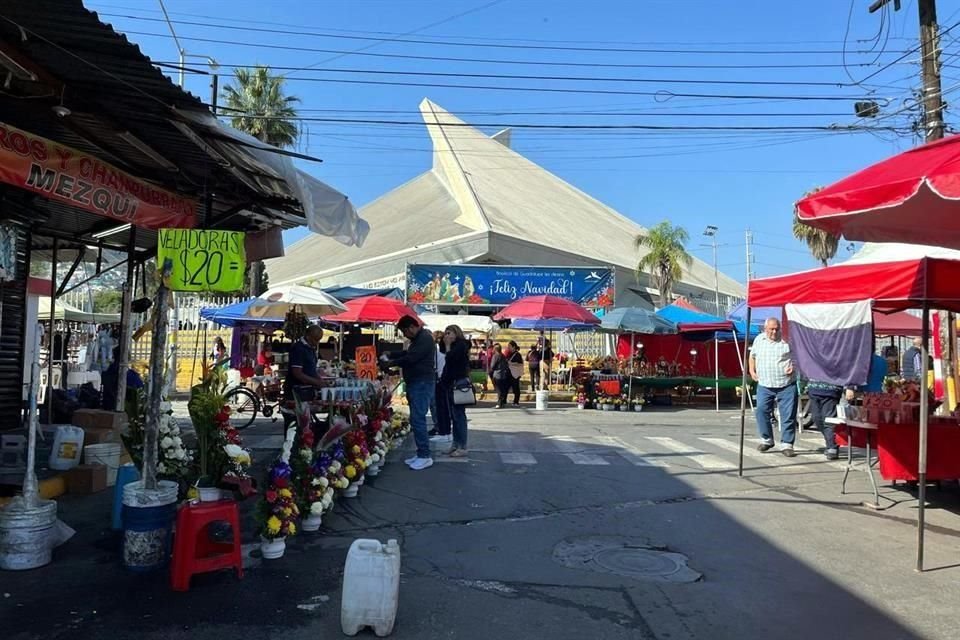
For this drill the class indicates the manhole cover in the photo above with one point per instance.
(624, 557)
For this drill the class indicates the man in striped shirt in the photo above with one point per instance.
(771, 366)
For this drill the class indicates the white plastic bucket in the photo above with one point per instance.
(107, 454)
(543, 400)
(27, 535)
(67, 445)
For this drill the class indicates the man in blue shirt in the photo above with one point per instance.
(303, 361)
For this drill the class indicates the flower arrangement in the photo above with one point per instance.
(278, 508)
(174, 460)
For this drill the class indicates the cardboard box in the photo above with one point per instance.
(99, 419)
(87, 478)
(99, 436)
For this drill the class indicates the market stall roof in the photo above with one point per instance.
(546, 308)
(279, 301)
(373, 309)
(69, 313)
(470, 324)
(550, 325)
(635, 320)
(894, 276)
(913, 196)
(693, 320)
(900, 323)
(82, 84)
(237, 315)
(345, 294)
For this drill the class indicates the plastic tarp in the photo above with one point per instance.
(327, 211)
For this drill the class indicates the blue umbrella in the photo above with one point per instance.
(550, 324)
(636, 320)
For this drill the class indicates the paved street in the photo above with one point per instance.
(559, 525)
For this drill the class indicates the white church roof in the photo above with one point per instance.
(479, 185)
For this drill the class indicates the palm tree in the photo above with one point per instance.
(822, 244)
(258, 105)
(666, 257)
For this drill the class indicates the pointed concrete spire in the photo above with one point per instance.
(447, 165)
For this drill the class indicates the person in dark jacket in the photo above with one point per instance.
(456, 368)
(509, 370)
(418, 365)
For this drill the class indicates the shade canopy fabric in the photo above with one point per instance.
(237, 315)
(894, 276)
(373, 309)
(69, 313)
(693, 321)
(546, 308)
(482, 325)
(913, 196)
(279, 301)
(635, 320)
(900, 323)
(550, 325)
(345, 294)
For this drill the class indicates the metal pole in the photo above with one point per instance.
(716, 368)
(745, 390)
(633, 338)
(924, 420)
(53, 315)
(151, 431)
(126, 336)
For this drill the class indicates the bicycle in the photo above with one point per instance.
(245, 403)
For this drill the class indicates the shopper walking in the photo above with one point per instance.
(533, 366)
(771, 366)
(418, 365)
(456, 371)
(515, 364)
(546, 363)
(439, 414)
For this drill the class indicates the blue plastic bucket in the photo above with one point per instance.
(126, 474)
(148, 518)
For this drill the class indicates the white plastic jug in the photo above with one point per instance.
(371, 587)
(67, 446)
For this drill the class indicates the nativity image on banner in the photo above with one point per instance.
(832, 342)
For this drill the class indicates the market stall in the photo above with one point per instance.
(892, 277)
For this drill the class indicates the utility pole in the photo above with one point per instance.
(749, 241)
(711, 232)
(930, 63)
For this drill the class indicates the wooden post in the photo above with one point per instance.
(158, 359)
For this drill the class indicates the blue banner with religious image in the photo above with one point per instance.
(499, 285)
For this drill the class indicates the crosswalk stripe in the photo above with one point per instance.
(630, 453)
(705, 460)
(572, 450)
(753, 454)
(510, 456)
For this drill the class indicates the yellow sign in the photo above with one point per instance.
(203, 259)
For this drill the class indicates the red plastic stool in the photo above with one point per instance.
(193, 552)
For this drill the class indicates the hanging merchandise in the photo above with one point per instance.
(8, 252)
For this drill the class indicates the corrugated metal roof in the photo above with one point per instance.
(111, 88)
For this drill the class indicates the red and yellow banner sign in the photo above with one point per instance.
(83, 181)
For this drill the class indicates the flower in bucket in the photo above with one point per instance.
(278, 509)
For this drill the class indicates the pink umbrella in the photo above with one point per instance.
(546, 308)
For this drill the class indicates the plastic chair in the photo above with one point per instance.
(193, 551)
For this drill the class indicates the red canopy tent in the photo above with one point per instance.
(894, 277)
(897, 324)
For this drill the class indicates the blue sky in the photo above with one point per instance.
(727, 53)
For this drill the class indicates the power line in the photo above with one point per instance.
(401, 39)
(429, 57)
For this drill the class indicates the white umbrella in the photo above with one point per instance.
(277, 302)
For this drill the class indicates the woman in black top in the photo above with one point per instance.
(456, 367)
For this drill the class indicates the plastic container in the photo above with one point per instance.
(371, 587)
(67, 445)
(26, 534)
(107, 454)
(148, 525)
(543, 400)
(13, 451)
(125, 475)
